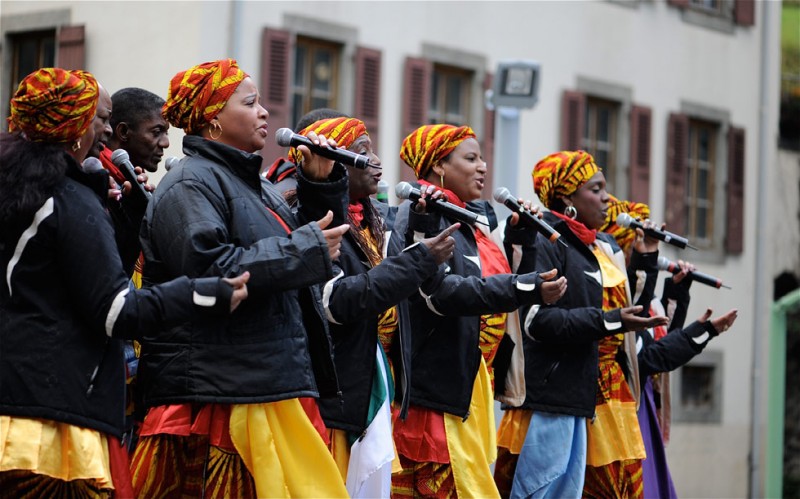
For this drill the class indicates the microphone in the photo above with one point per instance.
(383, 191)
(669, 266)
(627, 221)
(91, 165)
(503, 196)
(285, 137)
(170, 162)
(122, 161)
(404, 190)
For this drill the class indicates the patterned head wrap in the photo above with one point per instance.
(54, 105)
(562, 173)
(343, 130)
(624, 236)
(199, 93)
(429, 144)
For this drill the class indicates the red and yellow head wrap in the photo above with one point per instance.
(54, 105)
(199, 93)
(624, 236)
(561, 174)
(429, 144)
(343, 130)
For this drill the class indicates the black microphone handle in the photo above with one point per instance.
(126, 167)
(700, 277)
(662, 235)
(337, 154)
(532, 220)
(451, 210)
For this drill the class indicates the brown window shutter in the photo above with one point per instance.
(368, 91)
(734, 235)
(71, 47)
(641, 118)
(744, 12)
(677, 156)
(275, 53)
(416, 97)
(678, 3)
(573, 119)
(487, 145)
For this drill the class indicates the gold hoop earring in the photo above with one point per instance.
(215, 126)
(571, 212)
(76, 145)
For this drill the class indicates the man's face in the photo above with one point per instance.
(101, 124)
(145, 142)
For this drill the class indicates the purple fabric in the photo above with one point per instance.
(657, 480)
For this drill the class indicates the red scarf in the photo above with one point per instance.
(356, 211)
(585, 234)
(451, 197)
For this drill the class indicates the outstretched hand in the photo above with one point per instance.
(633, 322)
(239, 285)
(332, 236)
(316, 167)
(442, 245)
(721, 323)
(552, 291)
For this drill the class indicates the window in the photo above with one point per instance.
(700, 182)
(449, 96)
(699, 389)
(316, 76)
(600, 136)
(31, 51)
(710, 6)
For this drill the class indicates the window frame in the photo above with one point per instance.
(713, 414)
(694, 166)
(307, 91)
(589, 140)
(440, 92)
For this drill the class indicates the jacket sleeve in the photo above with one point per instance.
(643, 277)
(103, 294)
(673, 350)
(457, 295)
(676, 299)
(351, 298)
(558, 325)
(190, 230)
(316, 198)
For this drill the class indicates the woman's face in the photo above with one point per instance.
(591, 201)
(464, 171)
(364, 182)
(243, 119)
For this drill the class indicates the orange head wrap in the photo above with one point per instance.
(343, 130)
(54, 105)
(624, 236)
(561, 174)
(199, 93)
(429, 144)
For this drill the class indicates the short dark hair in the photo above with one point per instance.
(323, 113)
(133, 105)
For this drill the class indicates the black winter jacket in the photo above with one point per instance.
(353, 299)
(561, 340)
(65, 304)
(445, 314)
(213, 215)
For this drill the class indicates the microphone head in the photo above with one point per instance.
(170, 162)
(284, 137)
(119, 156)
(91, 164)
(501, 194)
(402, 190)
(624, 220)
(663, 263)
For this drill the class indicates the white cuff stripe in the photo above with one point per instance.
(203, 300)
(702, 338)
(612, 326)
(327, 291)
(526, 287)
(116, 308)
(429, 302)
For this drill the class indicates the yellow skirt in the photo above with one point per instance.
(58, 450)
